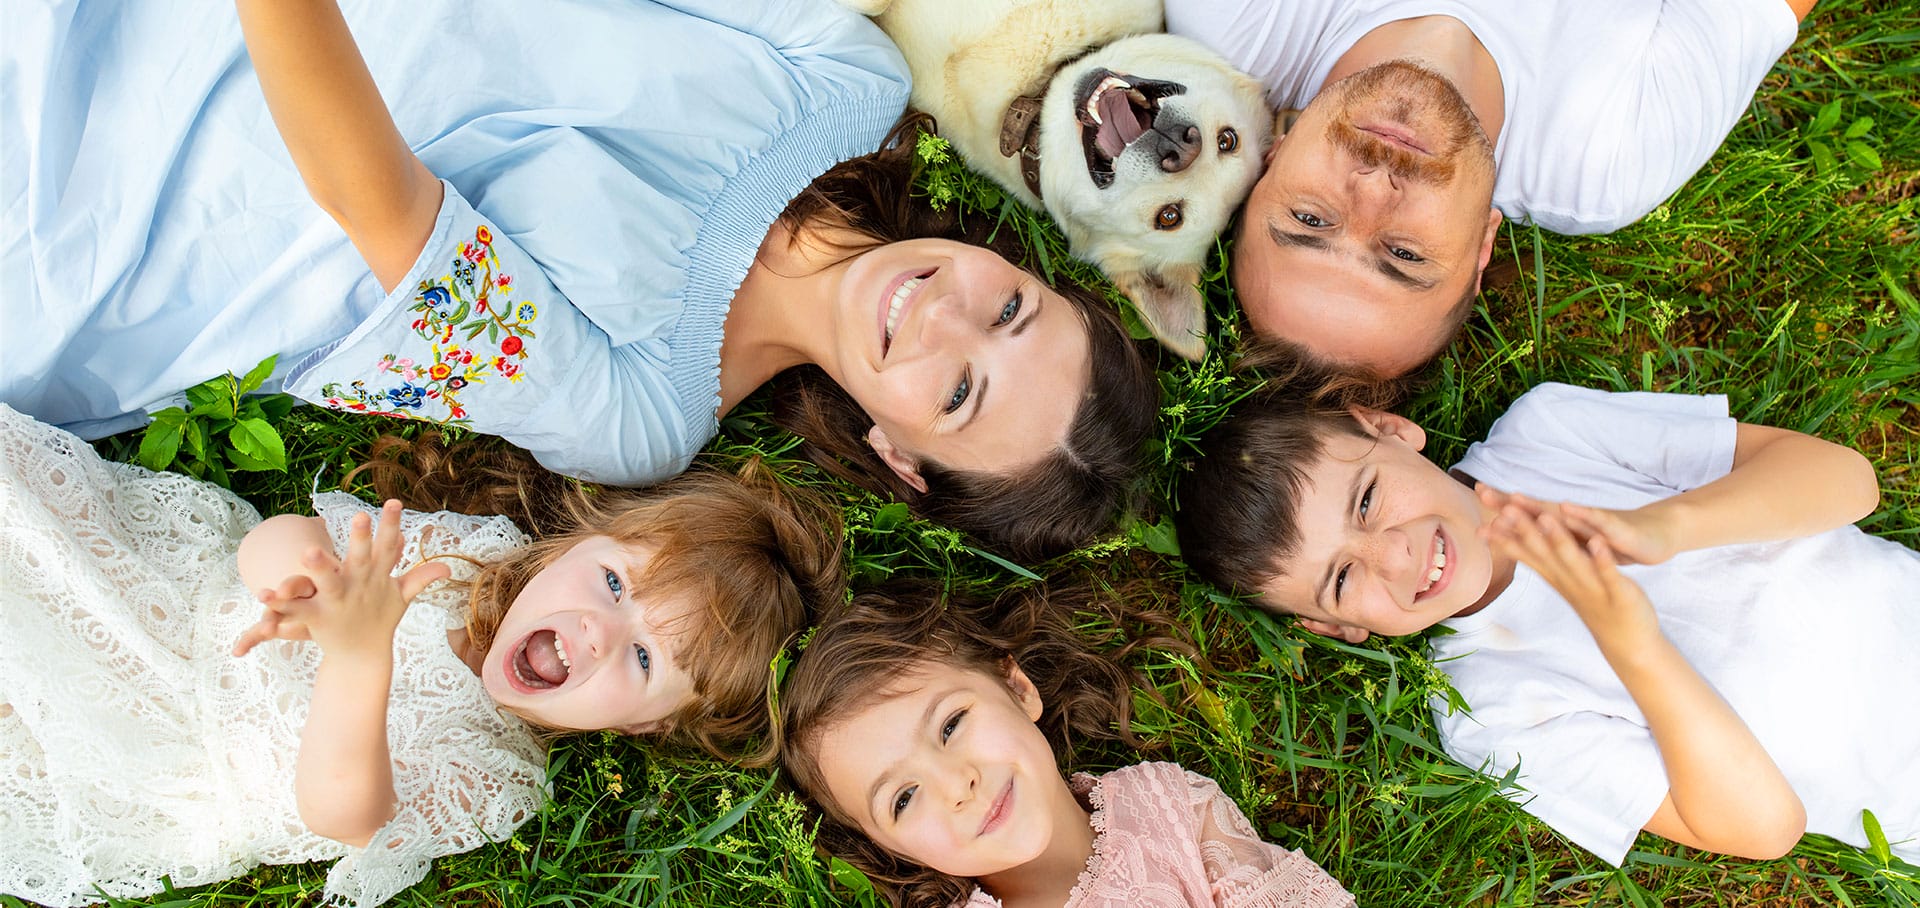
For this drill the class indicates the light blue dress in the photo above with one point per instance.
(611, 169)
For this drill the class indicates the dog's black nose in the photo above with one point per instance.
(1178, 147)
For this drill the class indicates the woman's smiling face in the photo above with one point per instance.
(958, 357)
(577, 651)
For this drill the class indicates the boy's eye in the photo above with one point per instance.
(1008, 311)
(1366, 499)
(952, 723)
(901, 800)
(1311, 220)
(613, 582)
(959, 395)
(1340, 582)
(646, 658)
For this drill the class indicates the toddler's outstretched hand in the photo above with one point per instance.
(1637, 536)
(349, 605)
(1615, 609)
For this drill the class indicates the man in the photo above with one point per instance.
(1422, 121)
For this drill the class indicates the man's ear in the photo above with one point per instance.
(1381, 424)
(900, 462)
(1024, 692)
(1486, 246)
(1336, 631)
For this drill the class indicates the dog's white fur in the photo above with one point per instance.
(971, 58)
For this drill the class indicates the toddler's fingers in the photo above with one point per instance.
(388, 540)
(359, 540)
(415, 581)
(298, 586)
(259, 632)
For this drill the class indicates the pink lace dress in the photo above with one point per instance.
(1168, 838)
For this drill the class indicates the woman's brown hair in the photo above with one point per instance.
(1048, 508)
(759, 556)
(861, 651)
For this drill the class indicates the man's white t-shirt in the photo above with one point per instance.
(1814, 642)
(1610, 106)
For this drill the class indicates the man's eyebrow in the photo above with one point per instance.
(1296, 240)
(885, 775)
(1325, 594)
(1401, 277)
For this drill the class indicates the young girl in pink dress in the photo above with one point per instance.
(926, 731)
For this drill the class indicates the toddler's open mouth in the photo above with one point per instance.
(540, 662)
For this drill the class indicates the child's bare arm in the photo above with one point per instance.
(1783, 484)
(1724, 792)
(340, 133)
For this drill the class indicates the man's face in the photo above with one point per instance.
(1372, 223)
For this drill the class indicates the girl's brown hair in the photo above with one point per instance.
(756, 554)
(1047, 508)
(861, 651)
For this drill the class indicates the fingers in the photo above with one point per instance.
(388, 540)
(415, 581)
(259, 633)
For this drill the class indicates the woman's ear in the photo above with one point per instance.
(1024, 692)
(1336, 631)
(1381, 424)
(896, 460)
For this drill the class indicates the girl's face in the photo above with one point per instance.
(947, 769)
(576, 651)
(958, 357)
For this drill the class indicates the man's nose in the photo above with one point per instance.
(1373, 185)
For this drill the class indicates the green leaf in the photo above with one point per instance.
(850, 878)
(1823, 159)
(996, 559)
(727, 820)
(1858, 128)
(207, 393)
(889, 515)
(259, 443)
(1159, 537)
(258, 375)
(1826, 119)
(198, 440)
(161, 443)
(275, 407)
(1876, 837)
(1863, 156)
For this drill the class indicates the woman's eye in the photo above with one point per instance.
(959, 395)
(1311, 220)
(1340, 582)
(1007, 312)
(1404, 254)
(613, 582)
(646, 658)
(952, 723)
(1228, 140)
(901, 800)
(1366, 499)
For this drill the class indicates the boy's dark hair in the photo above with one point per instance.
(1239, 514)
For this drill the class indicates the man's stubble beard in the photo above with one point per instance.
(1419, 98)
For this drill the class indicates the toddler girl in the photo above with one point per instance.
(137, 749)
(926, 732)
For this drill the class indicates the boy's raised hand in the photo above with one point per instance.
(1638, 536)
(1584, 571)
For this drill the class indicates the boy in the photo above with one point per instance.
(1750, 675)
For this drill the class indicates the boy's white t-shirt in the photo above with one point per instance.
(1610, 107)
(1815, 642)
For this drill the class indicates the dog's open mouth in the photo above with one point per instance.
(1114, 110)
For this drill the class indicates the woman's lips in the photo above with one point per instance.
(1001, 809)
(890, 319)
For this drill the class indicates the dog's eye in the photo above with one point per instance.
(1228, 141)
(1169, 217)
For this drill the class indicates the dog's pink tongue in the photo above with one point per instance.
(544, 659)
(1118, 124)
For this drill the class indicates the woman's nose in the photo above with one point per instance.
(946, 326)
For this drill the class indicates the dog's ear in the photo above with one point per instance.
(867, 7)
(1169, 300)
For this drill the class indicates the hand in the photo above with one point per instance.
(350, 605)
(1637, 536)
(1615, 609)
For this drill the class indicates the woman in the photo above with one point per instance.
(583, 252)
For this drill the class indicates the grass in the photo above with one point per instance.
(1782, 275)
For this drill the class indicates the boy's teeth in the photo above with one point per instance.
(899, 297)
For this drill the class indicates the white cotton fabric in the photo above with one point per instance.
(1610, 107)
(134, 747)
(1814, 642)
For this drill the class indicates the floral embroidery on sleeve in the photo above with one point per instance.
(453, 312)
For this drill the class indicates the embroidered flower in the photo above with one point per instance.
(504, 282)
(526, 312)
(484, 235)
(437, 298)
(473, 253)
(511, 345)
(409, 395)
(440, 372)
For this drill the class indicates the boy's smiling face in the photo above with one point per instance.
(1390, 543)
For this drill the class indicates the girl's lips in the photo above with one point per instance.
(998, 813)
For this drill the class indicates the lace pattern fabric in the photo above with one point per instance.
(134, 747)
(1168, 838)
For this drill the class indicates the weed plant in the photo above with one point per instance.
(1782, 275)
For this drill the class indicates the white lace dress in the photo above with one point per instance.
(134, 747)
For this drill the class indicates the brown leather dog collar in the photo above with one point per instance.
(1020, 137)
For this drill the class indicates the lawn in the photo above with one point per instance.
(1784, 275)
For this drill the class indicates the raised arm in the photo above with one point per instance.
(340, 133)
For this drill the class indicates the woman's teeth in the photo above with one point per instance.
(1439, 568)
(900, 295)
